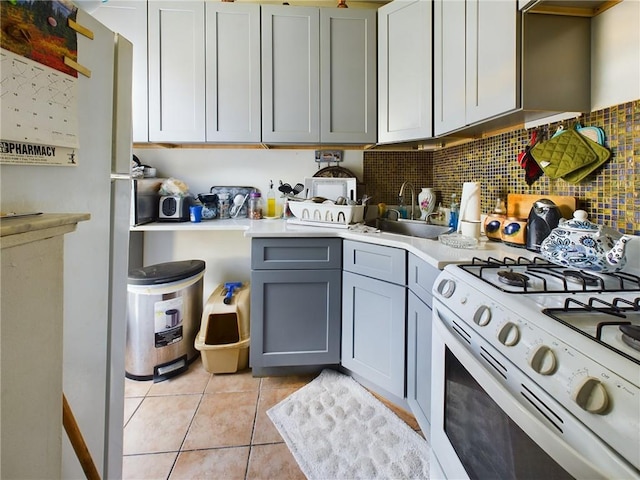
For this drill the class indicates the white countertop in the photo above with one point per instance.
(431, 251)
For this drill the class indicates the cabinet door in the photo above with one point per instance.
(421, 277)
(419, 361)
(492, 58)
(449, 66)
(373, 331)
(290, 74)
(348, 75)
(176, 71)
(129, 18)
(377, 261)
(295, 317)
(405, 71)
(233, 72)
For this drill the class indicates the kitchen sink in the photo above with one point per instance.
(412, 228)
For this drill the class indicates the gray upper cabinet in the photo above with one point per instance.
(318, 75)
(347, 75)
(129, 18)
(204, 72)
(475, 52)
(290, 74)
(449, 83)
(491, 49)
(405, 71)
(176, 71)
(495, 67)
(232, 72)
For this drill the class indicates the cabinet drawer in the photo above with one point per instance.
(296, 253)
(383, 263)
(420, 278)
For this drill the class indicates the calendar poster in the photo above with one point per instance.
(38, 96)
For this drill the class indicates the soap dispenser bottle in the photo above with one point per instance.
(453, 215)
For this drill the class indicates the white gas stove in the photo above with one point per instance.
(574, 334)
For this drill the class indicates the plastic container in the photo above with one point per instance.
(164, 306)
(223, 339)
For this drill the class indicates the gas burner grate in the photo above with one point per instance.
(513, 278)
(565, 280)
(618, 308)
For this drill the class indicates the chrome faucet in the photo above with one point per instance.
(413, 197)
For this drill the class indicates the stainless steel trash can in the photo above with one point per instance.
(163, 318)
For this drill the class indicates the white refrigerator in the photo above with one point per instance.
(96, 254)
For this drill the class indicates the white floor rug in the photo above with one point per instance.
(337, 430)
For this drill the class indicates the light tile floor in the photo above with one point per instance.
(200, 425)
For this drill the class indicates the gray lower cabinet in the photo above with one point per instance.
(421, 277)
(295, 302)
(373, 314)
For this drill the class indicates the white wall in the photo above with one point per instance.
(227, 254)
(615, 55)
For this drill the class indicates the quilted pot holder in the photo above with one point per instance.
(578, 175)
(563, 154)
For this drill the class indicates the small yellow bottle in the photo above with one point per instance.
(271, 201)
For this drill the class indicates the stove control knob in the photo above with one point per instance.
(543, 360)
(446, 287)
(482, 316)
(508, 334)
(590, 395)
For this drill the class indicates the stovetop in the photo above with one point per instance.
(534, 276)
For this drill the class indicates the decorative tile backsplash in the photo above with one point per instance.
(610, 195)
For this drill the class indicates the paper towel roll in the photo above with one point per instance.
(470, 202)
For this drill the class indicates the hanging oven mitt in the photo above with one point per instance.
(532, 170)
(563, 154)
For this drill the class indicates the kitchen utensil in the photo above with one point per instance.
(297, 188)
(285, 188)
(579, 243)
(543, 217)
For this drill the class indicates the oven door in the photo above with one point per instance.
(490, 421)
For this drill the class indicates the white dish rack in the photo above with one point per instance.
(323, 214)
